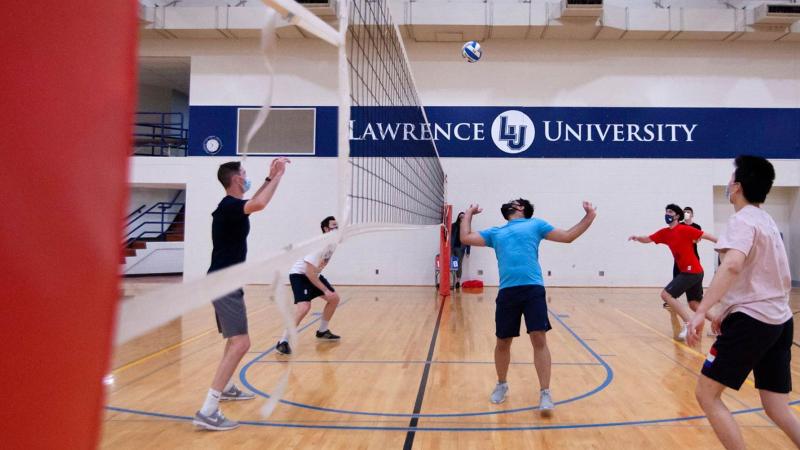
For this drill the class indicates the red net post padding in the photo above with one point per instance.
(67, 111)
(444, 253)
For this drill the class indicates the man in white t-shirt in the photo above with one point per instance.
(307, 284)
(753, 285)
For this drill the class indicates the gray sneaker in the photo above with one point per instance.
(546, 405)
(215, 422)
(499, 393)
(234, 393)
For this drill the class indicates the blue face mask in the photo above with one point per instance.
(247, 184)
(669, 219)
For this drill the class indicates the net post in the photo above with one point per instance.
(444, 253)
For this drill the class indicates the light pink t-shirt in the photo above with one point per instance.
(762, 288)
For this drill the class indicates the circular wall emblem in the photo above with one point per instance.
(212, 145)
(513, 131)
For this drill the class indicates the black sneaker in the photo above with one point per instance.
(283, 348)
(458, 285)
(327, 335)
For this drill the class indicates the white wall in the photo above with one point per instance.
(156, 258)
(630, 193)
(794, 229)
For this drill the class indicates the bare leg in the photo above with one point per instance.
(777, 407)
(708, 393)
(300, 312)
(502, 358)
(674, 304)
(330, 308)
(541, 358)
(235, 349)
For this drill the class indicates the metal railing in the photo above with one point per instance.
(160, 134)
(165, 218)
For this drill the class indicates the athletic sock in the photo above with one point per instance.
(285, 337)
(211, 404)
(323, 325)
(228, 386)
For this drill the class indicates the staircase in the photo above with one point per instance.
(159, 226)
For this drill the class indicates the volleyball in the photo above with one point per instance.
(471, 51)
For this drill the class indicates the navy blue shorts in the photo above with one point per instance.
(304, 290)
(517, 301)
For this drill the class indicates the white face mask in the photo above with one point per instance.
(687, 216)
(247, 184)
(728, 193)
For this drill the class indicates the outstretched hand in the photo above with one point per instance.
(590, 209)
(474, 209)
(278, 166)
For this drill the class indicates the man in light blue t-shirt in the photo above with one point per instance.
(516, 245)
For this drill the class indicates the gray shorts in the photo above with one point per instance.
(231, 314)
(689, 283)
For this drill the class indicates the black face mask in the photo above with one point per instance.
(506, 209)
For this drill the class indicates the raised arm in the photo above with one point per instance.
(264, 194)
(567, 236)
(468, 236)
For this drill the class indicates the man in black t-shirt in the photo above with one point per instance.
(229, 229)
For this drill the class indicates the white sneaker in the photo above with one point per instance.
(684, 331)
(546, 404)
(499, 393)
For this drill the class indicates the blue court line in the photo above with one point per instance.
(694, 372)
(451, 429)
(446, 429)
(603, 385)
(423, 362)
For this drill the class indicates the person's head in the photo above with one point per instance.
(751, 181)
(233, 177)
(459, 217)
(673, 214)
(688, 214)
(329, 224)
(517, 209)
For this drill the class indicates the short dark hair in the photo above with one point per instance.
(527, 208)
(227, 171)
(676, 209)
(688, 208)
(326, 222)
(756, 176)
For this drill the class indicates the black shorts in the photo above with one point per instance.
(231, 314)
(748, 344)
(689, 283)
(303, 290)
(514, 302)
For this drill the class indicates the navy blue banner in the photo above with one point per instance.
(533, 132)
(213, 130)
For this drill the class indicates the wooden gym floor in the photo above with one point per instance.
(619, 379)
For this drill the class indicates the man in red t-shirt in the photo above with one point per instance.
(680, 239)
